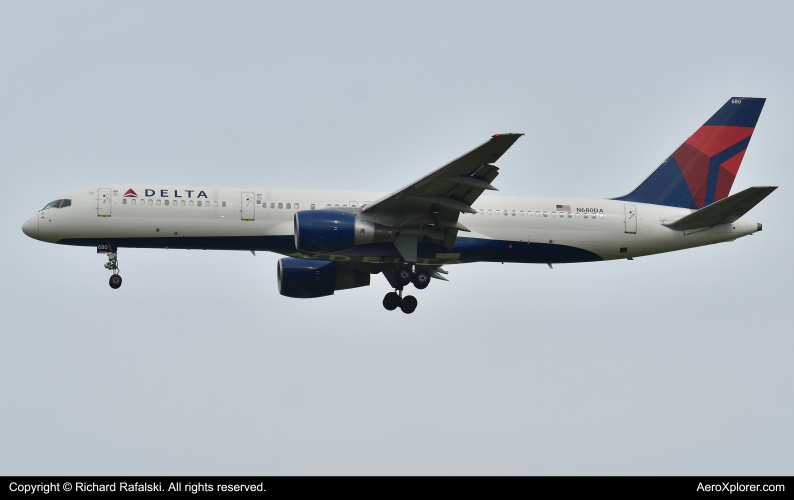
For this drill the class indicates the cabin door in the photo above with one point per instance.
(249, 205)
(631, 218)
(103, 202)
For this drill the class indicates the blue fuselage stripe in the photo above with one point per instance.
(470, 249)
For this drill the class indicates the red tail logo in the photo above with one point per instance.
(130, 194)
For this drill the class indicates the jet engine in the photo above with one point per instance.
(324, 231)
(307, 279)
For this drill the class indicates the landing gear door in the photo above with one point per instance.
(631, 218)
(248, 201)
(103, 202)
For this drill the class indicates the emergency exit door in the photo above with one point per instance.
(103, 202)
(631, 218)
(249, 205)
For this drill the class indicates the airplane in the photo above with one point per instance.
(336, 240)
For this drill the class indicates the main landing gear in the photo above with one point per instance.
(393, 300)
(113, 265)
(403, 277)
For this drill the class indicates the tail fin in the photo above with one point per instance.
(701, 171)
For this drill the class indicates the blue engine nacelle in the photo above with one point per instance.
(307, 279)
(324, 231)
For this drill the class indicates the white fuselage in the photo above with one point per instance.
(506, 228)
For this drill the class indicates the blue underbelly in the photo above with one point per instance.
(465, 249)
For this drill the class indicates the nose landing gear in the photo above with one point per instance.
(115, 281)
(113, 265)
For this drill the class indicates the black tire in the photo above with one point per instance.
(403, 276)
(421, 279)
(409, 303)
(391, 301)
(115, 281)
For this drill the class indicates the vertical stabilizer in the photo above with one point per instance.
(701, 171)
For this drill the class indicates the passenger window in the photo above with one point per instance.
(365, 204)
(296, 206)
(191, 202)
(124, 201)
(328, 206)
(166, 202)
(537, 213)
(554, 214)
(223, 203)
(570, 215)
(600, 216)
(150, 202)
(158, 202)
(198, 203)
(482, 212)
(513, 213)
(577, 216)
(354, 204)
(289, 206)
(545, 214)
(336, 205)
(280, 205)
(215, 203)
(312, 206)
(496, 212)
(521, 213)
(183, 203)
(505, 212)
(585, 216)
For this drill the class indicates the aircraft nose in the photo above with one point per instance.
(31, 227)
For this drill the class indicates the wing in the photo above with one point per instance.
(462, 180)
(438, 198)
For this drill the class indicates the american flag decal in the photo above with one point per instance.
(564, 208)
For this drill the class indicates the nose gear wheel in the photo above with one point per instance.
(113, 265)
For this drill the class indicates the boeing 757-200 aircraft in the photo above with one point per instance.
(334, 240)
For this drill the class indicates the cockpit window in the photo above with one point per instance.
(58, 204)
(53, 204)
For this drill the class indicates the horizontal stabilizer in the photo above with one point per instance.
(724, 211)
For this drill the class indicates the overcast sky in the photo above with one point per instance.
(669, 364)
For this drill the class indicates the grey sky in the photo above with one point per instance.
(670, 364)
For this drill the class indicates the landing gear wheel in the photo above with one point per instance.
(409, 303)
(421, 279)
(391, 301)
(115, 281)
(403, 276)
